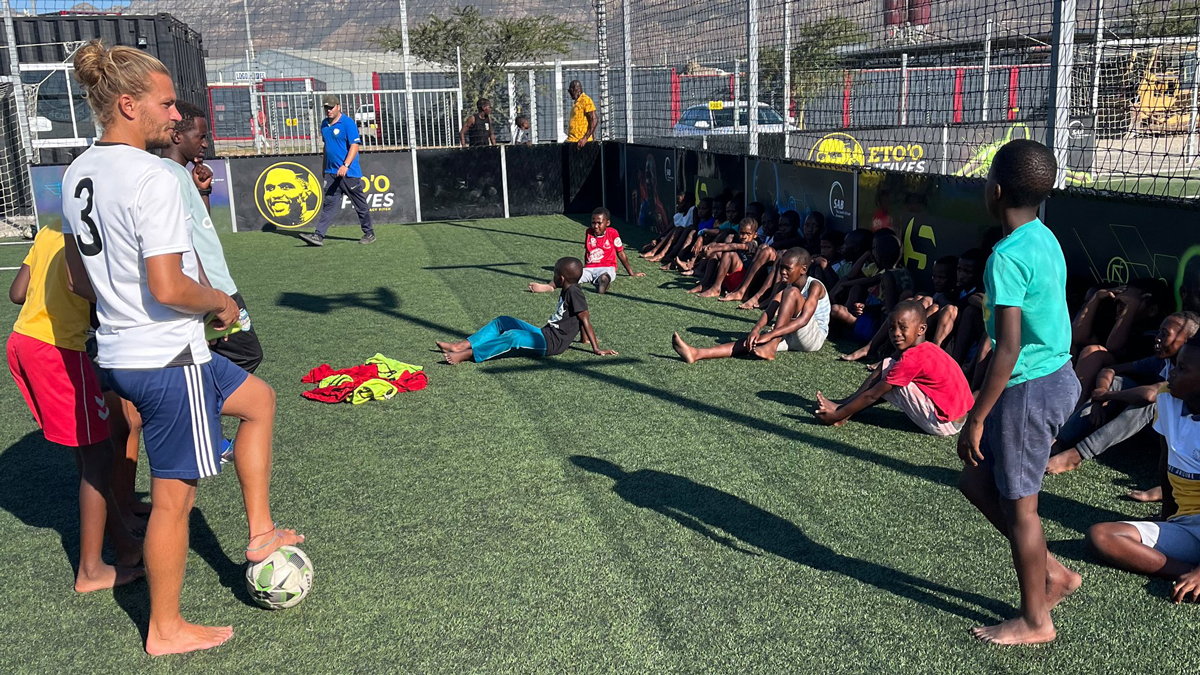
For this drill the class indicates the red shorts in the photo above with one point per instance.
(61, 389)
(733, 280)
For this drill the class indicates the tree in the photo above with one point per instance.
(489, 46)
(1178, 20)
(816, 65)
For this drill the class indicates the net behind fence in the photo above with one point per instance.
(928, 86)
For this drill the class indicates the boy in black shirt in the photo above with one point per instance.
(505, 335)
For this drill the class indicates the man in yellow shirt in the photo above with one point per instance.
(48, 361)
(582, 127)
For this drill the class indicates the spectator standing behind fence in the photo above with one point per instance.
(523, 135)
(477, 130)
(343, 175)
(582, 127)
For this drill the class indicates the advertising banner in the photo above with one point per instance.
(1109, 241)
(934, 216)
(710, 174)
(650, 186)
(535, 180)
(287, 192)
(47, 194)
(784, 186)
(956, 150)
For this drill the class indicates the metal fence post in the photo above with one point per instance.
(752, 74)
(458, 61)
(787, 78)
(1096, 64)
(602, 57)
(512, 107)
(625, 11)
(1062, 62)
(904, 89)
(409, 108)
(533, 130)
(561, 134)
(1192, 149)
(23, 114)
(987, 67)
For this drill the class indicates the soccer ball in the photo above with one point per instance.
(282, 580)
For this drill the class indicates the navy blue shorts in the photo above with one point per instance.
(1022, 426)
(181, 413)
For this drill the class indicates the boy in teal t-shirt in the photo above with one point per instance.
(1029, 390)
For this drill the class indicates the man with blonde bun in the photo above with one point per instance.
(129, 246)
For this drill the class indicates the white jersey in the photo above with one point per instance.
(124, 206)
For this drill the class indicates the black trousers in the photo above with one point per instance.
(335, 187)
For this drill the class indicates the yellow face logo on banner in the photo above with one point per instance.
(288, 194)
(842, 149)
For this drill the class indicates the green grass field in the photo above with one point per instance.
(630, 514)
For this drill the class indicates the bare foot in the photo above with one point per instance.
(187, 638)
(710, 293)
(1151, 495)
(824, 404)
(107, 577)
(536, 287)
(855, 355)
(688, 272)
(766, 351)
(455, 358)
(749, 304)
(668, 267)
(452, 346)
(682, 348)
(1016, 631)
(696, 289)
(1058, 588)
(1067, 460)
(732, 296)
(263, 545)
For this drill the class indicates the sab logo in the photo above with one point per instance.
(837, 201)
(288, 194)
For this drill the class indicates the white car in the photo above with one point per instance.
(365, 115)
(717, 119)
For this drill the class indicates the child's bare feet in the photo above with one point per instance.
(696, 289)
(1058, 587)
(710, 293)
(453, 346)
(732, 296)
(187, 637)
(1067, 460)
(537, 287)
(824, 407)
(1016, 631)
(749, 304)
(1151, 495)
(668, 267)
(856, 355)
(263, 545)
(106, 577)
(766, 350)
(455, 358)
(682, 348)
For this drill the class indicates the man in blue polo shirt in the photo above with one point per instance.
(343, 176)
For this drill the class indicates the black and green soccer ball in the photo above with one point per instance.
(281, 580)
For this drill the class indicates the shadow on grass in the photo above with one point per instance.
(295, 234)
(492, 230)
(491, 267)
(39, 485)
(382, 300)
(879, 415)
(721, 336)
(733, 522)
(1067, 512)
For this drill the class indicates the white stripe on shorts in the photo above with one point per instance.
(200, 441)
(209, 455)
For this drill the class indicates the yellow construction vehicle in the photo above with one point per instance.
(1163, 102)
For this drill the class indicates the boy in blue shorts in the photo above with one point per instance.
(1029, 390)
(505, 335)
(1169, 548)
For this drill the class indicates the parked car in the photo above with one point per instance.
(365, 115)
(717, 119)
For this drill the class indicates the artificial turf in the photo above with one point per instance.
(578, 514)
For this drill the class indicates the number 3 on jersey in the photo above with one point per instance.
(88, 248)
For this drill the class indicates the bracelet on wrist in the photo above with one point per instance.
(205, 192)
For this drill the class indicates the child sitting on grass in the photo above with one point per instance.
(1170, 548)
(799, 313)
(785, 236)
(685, 210)
(725, 264)
(1122, 403)
(602, 247)
(508, 336)
(882, 283)
(920, 379)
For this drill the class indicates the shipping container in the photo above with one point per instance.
(65, 120)
(230, 115)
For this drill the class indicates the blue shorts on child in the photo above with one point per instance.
(180, 408)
